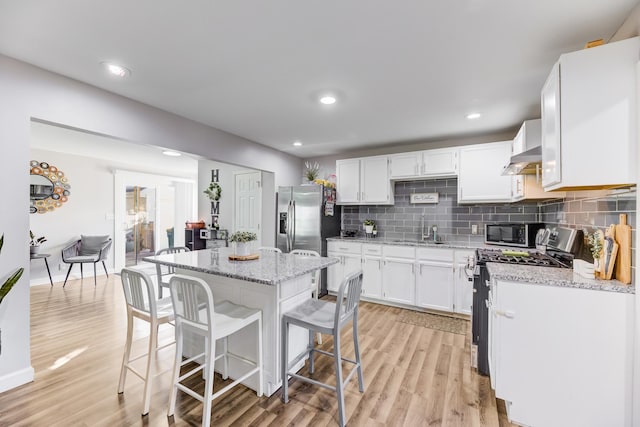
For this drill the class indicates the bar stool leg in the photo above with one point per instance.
(151, 358)
(127, 353)
(177, 363)
(285, 360)
(356, 348)
(208, 381)
(310, 350)
(339, 384)
(260, 382)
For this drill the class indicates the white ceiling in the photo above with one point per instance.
(405, 70)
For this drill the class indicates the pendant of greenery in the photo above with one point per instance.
(12, 280)
(213, 191)
(243, 237)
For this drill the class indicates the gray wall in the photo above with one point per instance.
(30, 93)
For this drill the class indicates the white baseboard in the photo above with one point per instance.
(16, 379)
(60, 277)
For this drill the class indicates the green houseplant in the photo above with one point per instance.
(311, 171)
(8, 284)
(242, 239)
(213, 191)
(35, 242)
(368, 225)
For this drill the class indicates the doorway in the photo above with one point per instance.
(248, 204)
(140, 229)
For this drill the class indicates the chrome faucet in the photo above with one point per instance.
(425, 236)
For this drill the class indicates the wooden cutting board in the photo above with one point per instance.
(243, 257)
(623, 259)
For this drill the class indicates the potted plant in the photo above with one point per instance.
(8, 284)
(368, 225)
(595, 246)
(243, 241)
(311, 171)
(35, 242)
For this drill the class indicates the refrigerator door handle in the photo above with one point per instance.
(293, 226)
(289, 219)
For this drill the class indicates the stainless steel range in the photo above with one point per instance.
(562, 244)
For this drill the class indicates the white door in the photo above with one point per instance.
(463, 290)
(374, 180)
(405, 165)
(551, 129)
(248, 211)
(348, 180)
(434, 286)
(440, 162)
(398, 281)
(372, 277)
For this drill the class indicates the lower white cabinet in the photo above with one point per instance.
(398, 280)
(372, 271)
(560, 356)
(434, 285)
(348, 253)
(425, 277)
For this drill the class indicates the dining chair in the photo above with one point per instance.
(315, 278)
(199, 316)
(89, 249)
(164, 273)
(270, 249)
(329, 318)
(142, 304)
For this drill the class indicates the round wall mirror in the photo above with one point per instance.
(40, 187)
(49, 188)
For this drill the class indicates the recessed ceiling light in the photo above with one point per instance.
(473, 116)
(328, 99)
(297, 144)
(116, 70)
(171, 153)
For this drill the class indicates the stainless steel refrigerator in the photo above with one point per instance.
(307, 215)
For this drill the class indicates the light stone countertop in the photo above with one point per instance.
(397, 242)
(270, 269)
(550, 276)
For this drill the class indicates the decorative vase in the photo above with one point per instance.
(368, 229)
(596, 267)
(34, 249)
(243, 248)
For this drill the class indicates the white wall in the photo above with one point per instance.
(89, 210)
(30, 93)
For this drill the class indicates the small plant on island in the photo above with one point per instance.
(243, 237)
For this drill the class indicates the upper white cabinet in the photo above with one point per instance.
(424, 164)
(364, 181)
(588, 110)
(480, 176)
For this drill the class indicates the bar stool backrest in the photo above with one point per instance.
(193, 303)
(138, 291)
(348, 298)
(171, 250)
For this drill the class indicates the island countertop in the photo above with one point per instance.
(270, 269)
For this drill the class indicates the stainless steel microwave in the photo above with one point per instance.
(509, 234)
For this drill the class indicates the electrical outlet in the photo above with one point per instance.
(474, 229)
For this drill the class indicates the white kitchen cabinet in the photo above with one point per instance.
(440, 162)
(398, 274)
(349, 255)
(348, 181)
(463, 283)
(588, 111)
(560, 356)
(364, 181)
(434, 279)
(405, 165)
(424, 164)
(480, 176)
(372, 271)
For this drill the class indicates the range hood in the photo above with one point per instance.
(526, 163)
(527, 146)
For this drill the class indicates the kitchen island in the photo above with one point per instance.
(273, 283)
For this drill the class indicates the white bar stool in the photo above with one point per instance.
(270, 249)
(142, 304)
(166, 272)
(195, 312)
(328, 318)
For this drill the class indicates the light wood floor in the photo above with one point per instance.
(414, 376)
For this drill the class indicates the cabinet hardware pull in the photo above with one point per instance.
(506, 313)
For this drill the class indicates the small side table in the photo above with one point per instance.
(44, 257)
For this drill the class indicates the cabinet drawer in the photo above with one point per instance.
(371, 249)
(434, 254)
(344, 247)
(399, 251)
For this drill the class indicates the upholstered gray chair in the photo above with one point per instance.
(89, 249)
